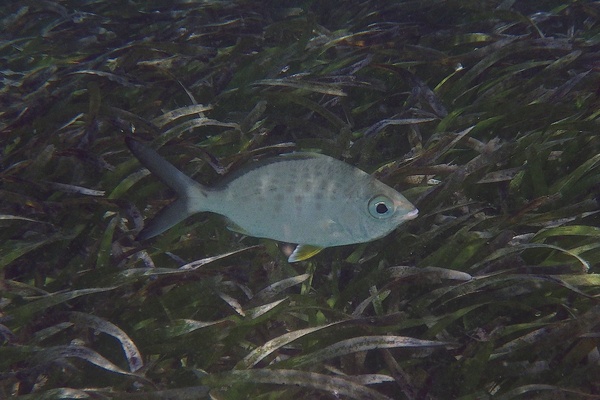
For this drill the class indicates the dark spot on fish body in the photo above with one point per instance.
(289, 186)
(292, 176)
(349, 191)
(316, 173)
(332, 191)
(298, 199)
(278, 201)
(261, 197)
(318, 176)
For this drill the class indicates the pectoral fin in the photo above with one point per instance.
(304, 252)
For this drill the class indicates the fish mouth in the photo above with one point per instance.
(411, 215)
(402, 206)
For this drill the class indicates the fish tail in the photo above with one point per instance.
(192, 195)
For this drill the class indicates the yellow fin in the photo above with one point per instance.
(304, 252)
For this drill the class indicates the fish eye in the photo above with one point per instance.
(381, 207)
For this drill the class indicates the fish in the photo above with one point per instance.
(309, 199)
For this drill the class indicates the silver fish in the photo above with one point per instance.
(310, 199)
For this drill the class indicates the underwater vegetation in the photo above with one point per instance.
(484, 114)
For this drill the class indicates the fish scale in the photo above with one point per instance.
(309, 199)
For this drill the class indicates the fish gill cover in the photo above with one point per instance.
(485, 115)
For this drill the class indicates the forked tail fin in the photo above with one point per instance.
(191, 194)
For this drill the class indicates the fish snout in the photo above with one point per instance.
(406, 209)
(411, 214)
